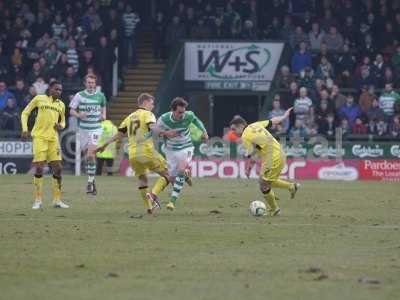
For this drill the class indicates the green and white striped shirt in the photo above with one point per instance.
(92, 105)
(184, 140)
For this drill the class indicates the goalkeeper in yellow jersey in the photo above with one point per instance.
(46, 147)
(257, 140)
(143, 157)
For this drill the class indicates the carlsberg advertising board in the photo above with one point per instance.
(225, 61)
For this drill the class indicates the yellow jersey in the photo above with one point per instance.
(50, 112)
(136, 125)
(257, 139)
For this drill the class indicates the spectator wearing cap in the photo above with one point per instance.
(350, 110)
(301, 59)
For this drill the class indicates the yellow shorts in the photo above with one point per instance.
(44, 150)
(271, 172)
(142, 164)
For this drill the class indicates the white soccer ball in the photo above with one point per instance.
(258, 208)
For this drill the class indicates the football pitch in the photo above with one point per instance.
(336, 240)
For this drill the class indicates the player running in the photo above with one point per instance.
(46, 146)
(179, 149)
(89, 106)
(142, 154)
(256, 139)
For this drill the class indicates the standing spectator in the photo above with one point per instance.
(105, 59)
(395, 60)
(175, 32)
(345, 127)
(218, 30)
(248, 31)
(303, 106)
(273, 30)
(86, 60)
(315, 36)
(130, 23)
(378, 68)
(301, 59)
(359, 127)
(5, 94)
(350, 111)
(62, 41)
(9, 116)
(159, 28)
(72, 54)
(394, 128)
(287, 29)
(61, 66)
(200, 30)
(333, 40)
(388, 99)
(278, 111)
(20, 92)
(70, 81)
(307, 78)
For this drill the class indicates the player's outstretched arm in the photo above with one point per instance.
(116, 137)
(277, 120)
(158, 129)
(199, 124)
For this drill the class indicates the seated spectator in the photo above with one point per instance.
(375, 112)
(298, 130)
(297, 37)
(44, 42)
(31, 94)
(284, 78)
(301, 59)
(307, 78)
(350, 110)
(218, 30)
(367, 47)
(35, 72)
(345, 127)
(378, 68)
(381, 128)
(278, 111)
(20, 91)
(346, 61)
(87, 59)
(327, 126)
(273, 30)
(5, 94)
(395, 60)
(322, 111)
(394, 128)
(366, 98)
(359, 127)
(52, 56)
(17, 62)
(9, 116)
(61, 66)
(58, 26)
(337, 97)
(62, 41)
(333, 40)
(388, 77)
(324, 70)
(40, 86)
(292, 95)
(72, 54)
(315, 36)
(387, 100)
(365, 78)
(303, 106)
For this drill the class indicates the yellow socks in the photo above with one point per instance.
(56, 187)
(281, 184)
(143, 191)
(271, 200)
(38, 182)
(160, 185)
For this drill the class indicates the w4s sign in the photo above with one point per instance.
(222, 61)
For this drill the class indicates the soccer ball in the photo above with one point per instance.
(257, 208)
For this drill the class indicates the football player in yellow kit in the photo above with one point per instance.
(258, 140)
(143, 157)
(46, 146)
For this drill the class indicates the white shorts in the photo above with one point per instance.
(89, 138)
(174, 158)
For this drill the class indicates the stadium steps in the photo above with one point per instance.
(142, 79)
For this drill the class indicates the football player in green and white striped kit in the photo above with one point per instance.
(179, 149)
(89, 106)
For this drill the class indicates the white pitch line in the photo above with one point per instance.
(178, 222)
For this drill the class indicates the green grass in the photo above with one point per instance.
(348, 230)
